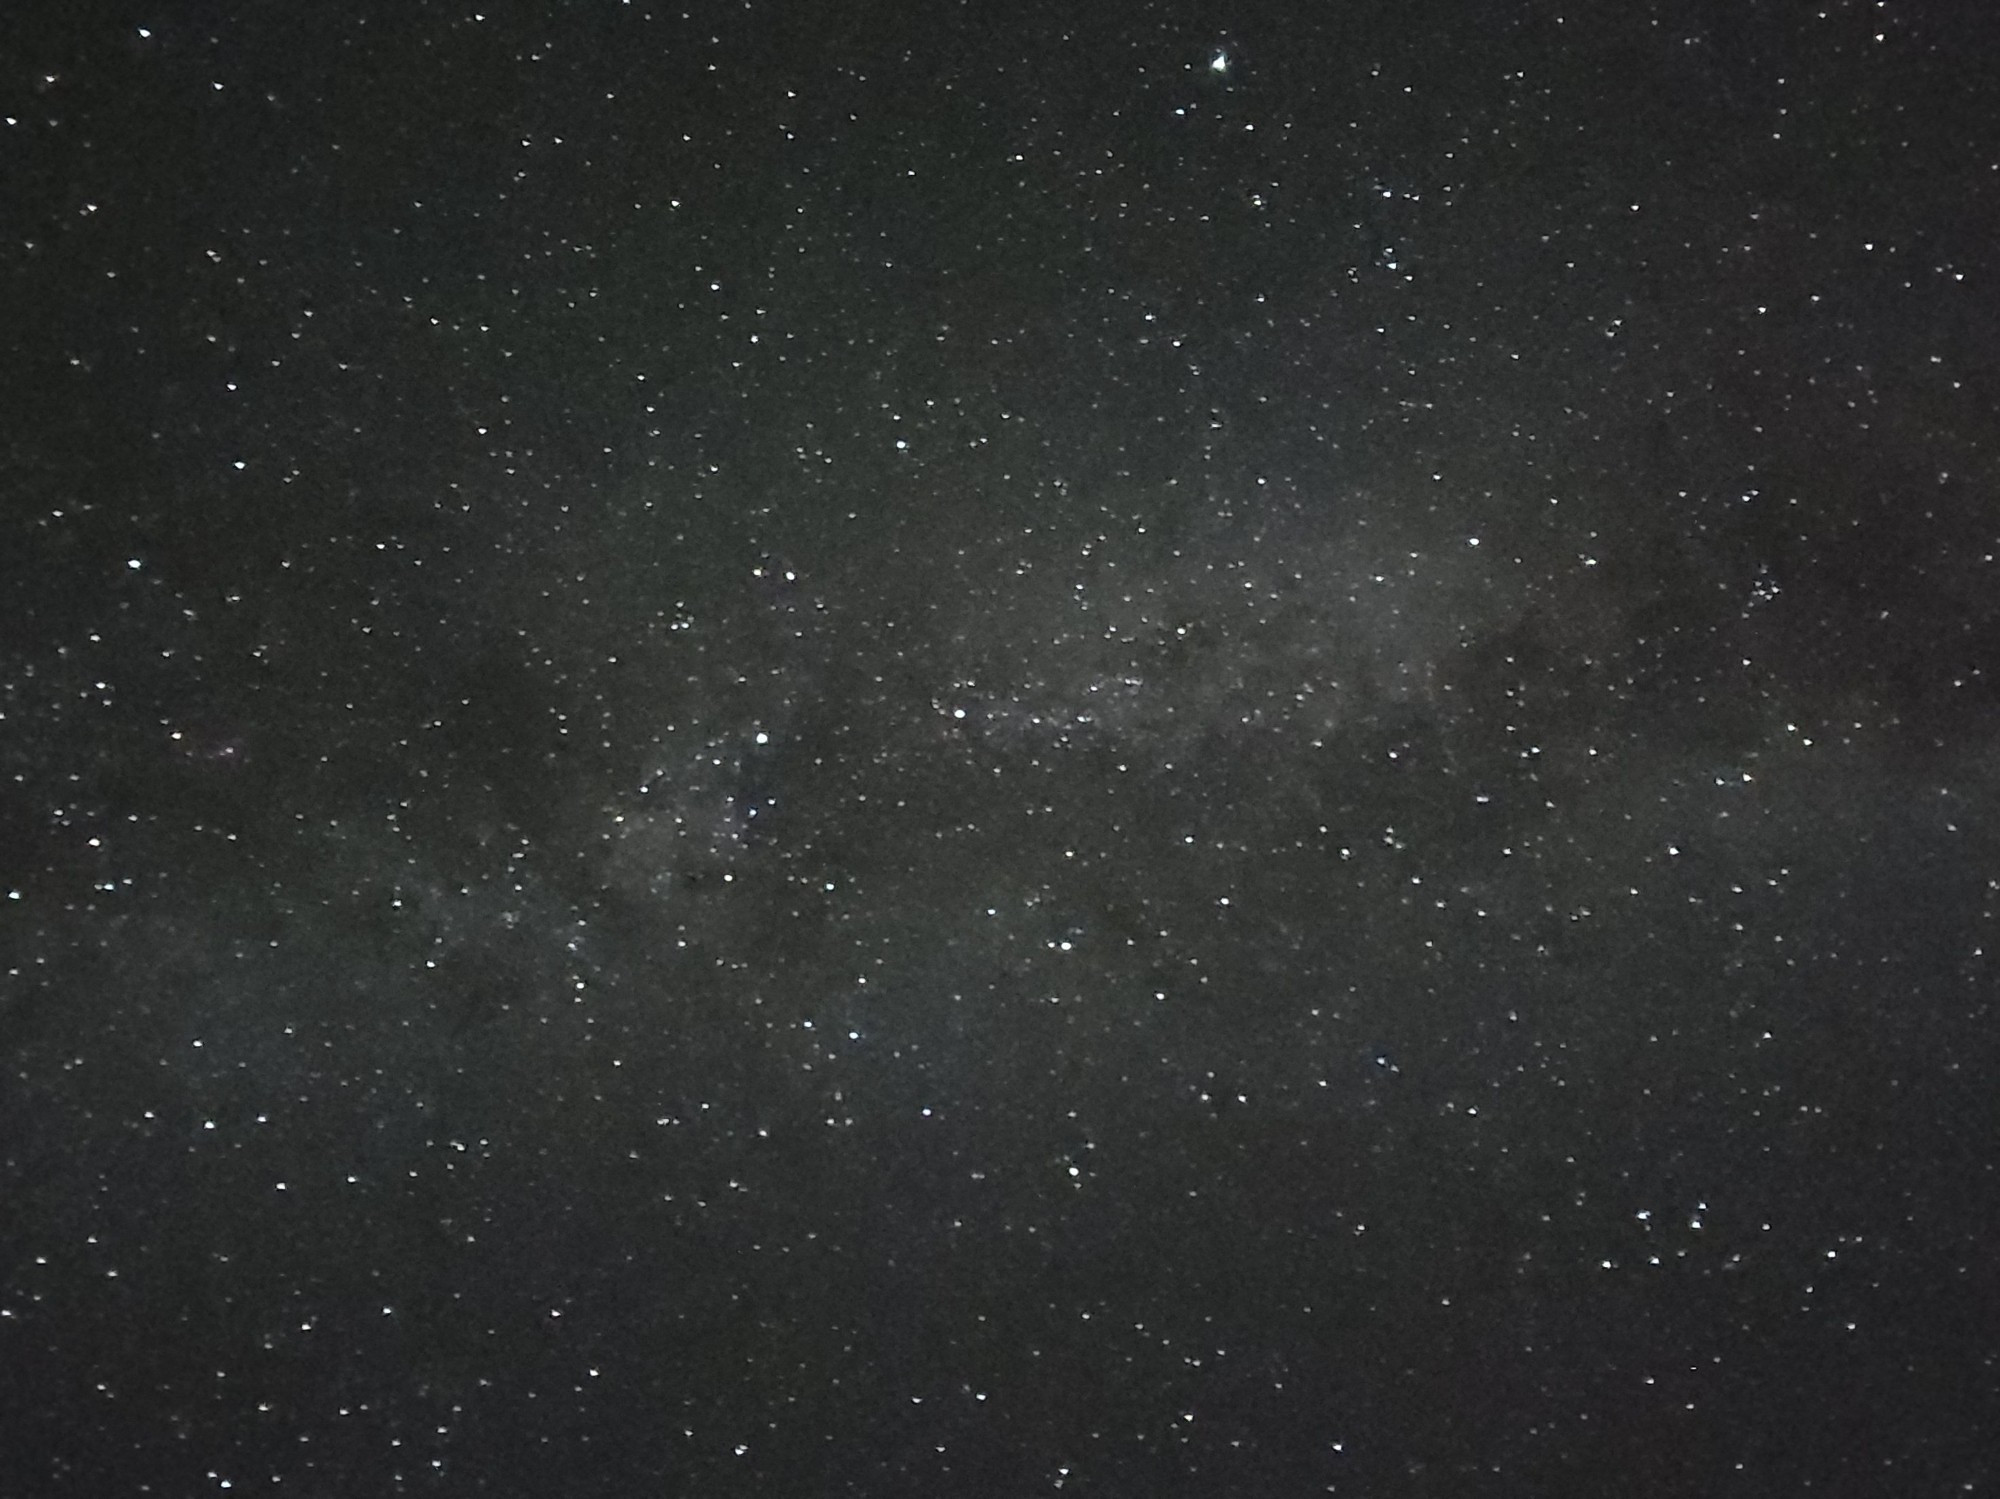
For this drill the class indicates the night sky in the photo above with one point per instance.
(956, 749)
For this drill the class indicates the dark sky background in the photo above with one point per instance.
(919, 749)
